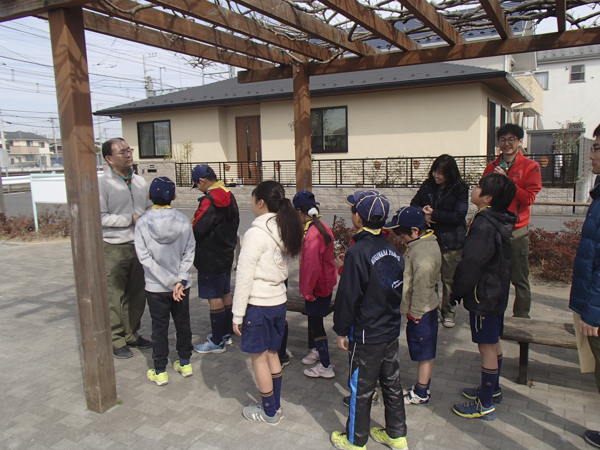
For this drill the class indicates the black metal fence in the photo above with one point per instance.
(558, 170)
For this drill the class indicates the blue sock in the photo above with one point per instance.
(497, 385)
(217, 325)
(159, 371)
(184, 362)
(488, 381)
(277, 380)
(268, 402)
(228, 320)
(323, 349)
(421, 389)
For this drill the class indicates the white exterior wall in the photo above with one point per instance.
(571, 102)
(424, 121)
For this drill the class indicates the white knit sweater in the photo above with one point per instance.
(262, 268)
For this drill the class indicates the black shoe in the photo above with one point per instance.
(141, 343)
(592, 437)
(346, 400)
(122, 353)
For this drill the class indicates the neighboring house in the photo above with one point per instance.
(571, 81)
(419, 110)
(23, 142)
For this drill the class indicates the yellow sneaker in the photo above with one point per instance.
(186, 370)
(161, 379)
(381, 436)
(340, 440)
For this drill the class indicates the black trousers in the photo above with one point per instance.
(162, 307)
(369, 362)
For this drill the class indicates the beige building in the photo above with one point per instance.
(420, 111)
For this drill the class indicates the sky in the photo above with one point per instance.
(116, 67)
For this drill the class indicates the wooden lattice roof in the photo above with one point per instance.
(331, 36)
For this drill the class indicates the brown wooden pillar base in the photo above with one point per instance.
(75, 115)
(302, 127)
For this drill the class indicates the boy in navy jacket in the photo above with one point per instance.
(482, 280)
(367, 311)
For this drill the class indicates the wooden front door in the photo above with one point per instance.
(249, 152)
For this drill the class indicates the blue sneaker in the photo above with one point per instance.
(473, 393)
(475, 410)
(210, 347)
(226, 338)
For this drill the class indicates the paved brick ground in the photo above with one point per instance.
(42, 403)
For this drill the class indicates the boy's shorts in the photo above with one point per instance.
(214, 285)
(422, 337)
(263, 328)
(486, 330)
(319, 307)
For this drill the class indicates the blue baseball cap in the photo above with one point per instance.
(370, 204)
(303, 198)
(406, 216)
(162, 187)
(201, 171)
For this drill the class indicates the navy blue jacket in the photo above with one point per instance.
(482, 277)
(367, 303)
(585, 289)
(449, 212)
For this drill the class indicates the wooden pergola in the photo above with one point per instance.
(271, 39)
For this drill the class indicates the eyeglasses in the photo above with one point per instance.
(510, 140)
(127, 151)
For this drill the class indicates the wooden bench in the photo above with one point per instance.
(531, 331)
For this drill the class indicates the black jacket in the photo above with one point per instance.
(215, 226)
(482, 277)
(367, 304)
(449, 212)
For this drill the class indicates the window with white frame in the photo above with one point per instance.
(577, 73)
(543, 79)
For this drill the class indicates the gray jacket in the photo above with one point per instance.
(118, 205)
(165, 245)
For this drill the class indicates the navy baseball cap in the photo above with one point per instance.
(370, 204)
(406, 216)
(303, 198)
(162, 187)
(201, 171)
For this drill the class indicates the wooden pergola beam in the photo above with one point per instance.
(432, 19)
(497, 17)
(369, 20)
(287, 14)
(561, 15)
(130, 32)
(76, 130)
(523, 44)
(183, 27)
(217, 15)
(14, 9)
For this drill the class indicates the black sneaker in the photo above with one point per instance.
(141, 343)
(346, 400)
(284, 361)
(122, 353)
(592, 437)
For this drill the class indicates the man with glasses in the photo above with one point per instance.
(123, 199)
(525, 173)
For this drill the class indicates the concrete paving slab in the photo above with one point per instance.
(43, 403)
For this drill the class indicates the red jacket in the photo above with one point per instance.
(525, 173)
(318, 274)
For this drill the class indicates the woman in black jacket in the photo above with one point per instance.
(444, 199)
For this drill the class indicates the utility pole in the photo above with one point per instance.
(98, 123)
(2, 140)
(54, 136)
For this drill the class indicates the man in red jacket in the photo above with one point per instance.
(525, 173)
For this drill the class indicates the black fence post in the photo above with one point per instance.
(363, 172)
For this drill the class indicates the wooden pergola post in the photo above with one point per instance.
(302, 127)
(76, 129)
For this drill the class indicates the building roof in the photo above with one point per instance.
(23, 136)
(568, 54)
(230, 92)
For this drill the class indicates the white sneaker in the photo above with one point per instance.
(311, 358)
(320, 371)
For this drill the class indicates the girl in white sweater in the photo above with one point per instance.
(259, 301)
